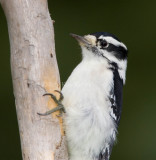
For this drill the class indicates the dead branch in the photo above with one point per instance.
(34, 72)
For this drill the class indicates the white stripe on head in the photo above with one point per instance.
(113, 41)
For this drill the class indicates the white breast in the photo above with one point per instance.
(87, 121)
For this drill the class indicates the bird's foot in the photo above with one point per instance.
(59, 107)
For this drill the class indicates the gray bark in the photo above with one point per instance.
(34, 72)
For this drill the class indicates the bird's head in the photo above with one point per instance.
(102, 45)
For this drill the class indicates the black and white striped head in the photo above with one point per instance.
(103, 44)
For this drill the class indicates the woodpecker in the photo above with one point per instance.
(93, 97)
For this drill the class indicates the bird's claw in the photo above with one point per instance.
(59, 107)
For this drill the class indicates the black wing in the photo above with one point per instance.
(106, 152)
(116, 95)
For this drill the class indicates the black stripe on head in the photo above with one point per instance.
(118, 51)
(105, 34)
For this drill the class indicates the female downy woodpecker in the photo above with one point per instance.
(93, 97)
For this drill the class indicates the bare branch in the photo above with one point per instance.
(34, 72)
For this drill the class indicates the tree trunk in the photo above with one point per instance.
(34, 72)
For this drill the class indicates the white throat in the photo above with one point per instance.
(122, 64)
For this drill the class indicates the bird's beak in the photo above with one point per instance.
(82, 40)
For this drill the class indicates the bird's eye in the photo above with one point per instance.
(104, 44)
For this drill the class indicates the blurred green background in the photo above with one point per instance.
(134, 22)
